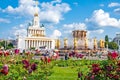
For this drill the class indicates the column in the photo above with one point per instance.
(29, 43)
(46, 44)
(33, 43)
(34, 31)
(41, 43)
(25, 44)
(37, 43)
(50, 44)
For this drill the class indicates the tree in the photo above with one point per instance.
(2, 44)
(113, 45)
(106, 41)
(9, 46)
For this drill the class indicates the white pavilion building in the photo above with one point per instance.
(36, 36)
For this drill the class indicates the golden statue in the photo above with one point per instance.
(57, 44)
(95, 43)
(75, 42)
(86, 43)
(101, 44)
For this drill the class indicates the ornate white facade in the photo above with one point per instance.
(36, 35)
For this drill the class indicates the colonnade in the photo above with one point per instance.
(38, 43)
(34, 32)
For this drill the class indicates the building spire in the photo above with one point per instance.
(36, 16)
(36, 8)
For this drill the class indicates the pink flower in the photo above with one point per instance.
(6, 53)
(26, 63)
(1, 53)
(95, 65)
(17, 51)
(30, 70)
(34, 66)
(80, 74)
(114, 55)
(5, 69)
(79, 55)
(96, 70)
(118, 63)
(109, 68)
(92, 77)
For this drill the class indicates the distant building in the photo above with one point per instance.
(117, 39)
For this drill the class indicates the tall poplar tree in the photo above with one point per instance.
(106, 41)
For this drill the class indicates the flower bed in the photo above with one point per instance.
(17, 67)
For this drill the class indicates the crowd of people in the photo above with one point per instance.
(48, 55)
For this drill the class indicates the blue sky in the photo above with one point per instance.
(60, 17)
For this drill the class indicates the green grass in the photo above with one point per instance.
(67, 73)
(64, 73)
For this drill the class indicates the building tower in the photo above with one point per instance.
(34, 29)
(36, 37)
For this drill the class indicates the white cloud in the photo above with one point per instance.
(75, 26)
(56, 34)
(25, 8)
(99, 31)
(53, 13)
(2, 20)
(114, 4)
(68, 28)
(95, 33)
(68, 31)
(19, 30)
(49, 11)
(103, 19)
(117, 10)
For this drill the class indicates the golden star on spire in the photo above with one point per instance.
(36, 4)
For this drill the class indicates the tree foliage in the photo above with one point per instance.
(6, 45)
(113, 45)
(106, 41)
(9, 46)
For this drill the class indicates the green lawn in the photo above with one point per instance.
(67, 73)
(64, 73)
